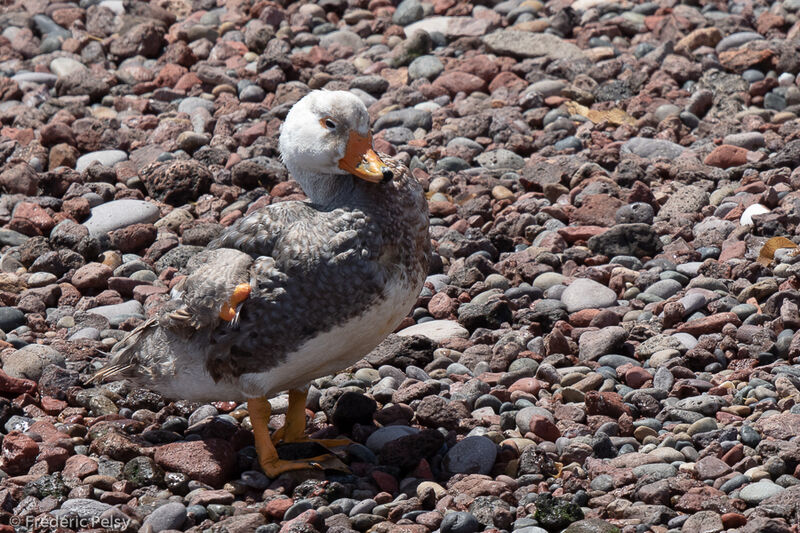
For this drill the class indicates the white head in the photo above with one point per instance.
(325, 141)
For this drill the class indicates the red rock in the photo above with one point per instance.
(543, 428)
(303, 521)
(454, 82)
(54, 456)
(52, 406)
(133, 238)
(18, 453)
(709, 324)
(782, 427)
(31, 219)
(637, 376)
(734, 455)
(743, 58)
(13, 386)
(209, 461)
(442, 306)
(710, 467)
(92, 276)
(733, 520)
(732, 250)
(142, 292)
(187, 81)
(386, 482)
(277, 507)
(528, 385)
(481, 66)
(726, 156)
(583, 318)
(596, 210)
(605, 403)
(169, 75)
(573, 234)
(62, 155)
(79, 466)
(507, 80)
(57, 133)
(442, 209)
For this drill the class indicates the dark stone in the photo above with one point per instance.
(402, 351)
(626, 239)
(353, 408)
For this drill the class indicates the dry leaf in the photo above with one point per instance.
(615, 116)
(767, 252)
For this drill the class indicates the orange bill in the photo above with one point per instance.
(240, 294)
(360, 159)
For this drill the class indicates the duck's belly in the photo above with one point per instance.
(332, 351)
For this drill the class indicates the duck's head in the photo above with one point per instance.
(326, 139)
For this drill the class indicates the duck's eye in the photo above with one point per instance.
(328, 123)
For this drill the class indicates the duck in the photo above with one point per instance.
(296, 290)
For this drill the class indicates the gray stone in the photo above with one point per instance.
(637, 212)
(450, 26)
(664, 288)
(655, 471)
(703, 522)
(755, 493)
(66, 66)
(473, 455)
(547, 87)
(460, 522)
(192, 103)
(408, 118)
(11, 318)
(706, 404)
(120, 214)
(379, 438)
(637, 240)
(752, 140)
(593, 344)
(591, 525)
(436, 330)
(652, 148)
(169, 516)
(686, 201)
(523, 44)
(43, 78)
(408, 11)
(85, 508)
(29, 361)
(735, 40)
(344, 38)
(108, 158)
(116, 314)
(501, 159)
(587, 294)
(428, 67)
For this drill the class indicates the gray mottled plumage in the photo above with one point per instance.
(313, 270)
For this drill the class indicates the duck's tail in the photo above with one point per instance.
(123, 355)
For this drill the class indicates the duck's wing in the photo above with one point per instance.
(196, 303)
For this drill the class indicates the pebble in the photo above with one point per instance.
(108, 158)
(166, 517)
(473, 455)
(120, 214)
(755, 493)
(587, 294)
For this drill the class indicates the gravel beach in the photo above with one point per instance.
(601, 345)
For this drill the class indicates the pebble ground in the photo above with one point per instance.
(597, 348)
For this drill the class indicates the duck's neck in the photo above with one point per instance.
(328, 191)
